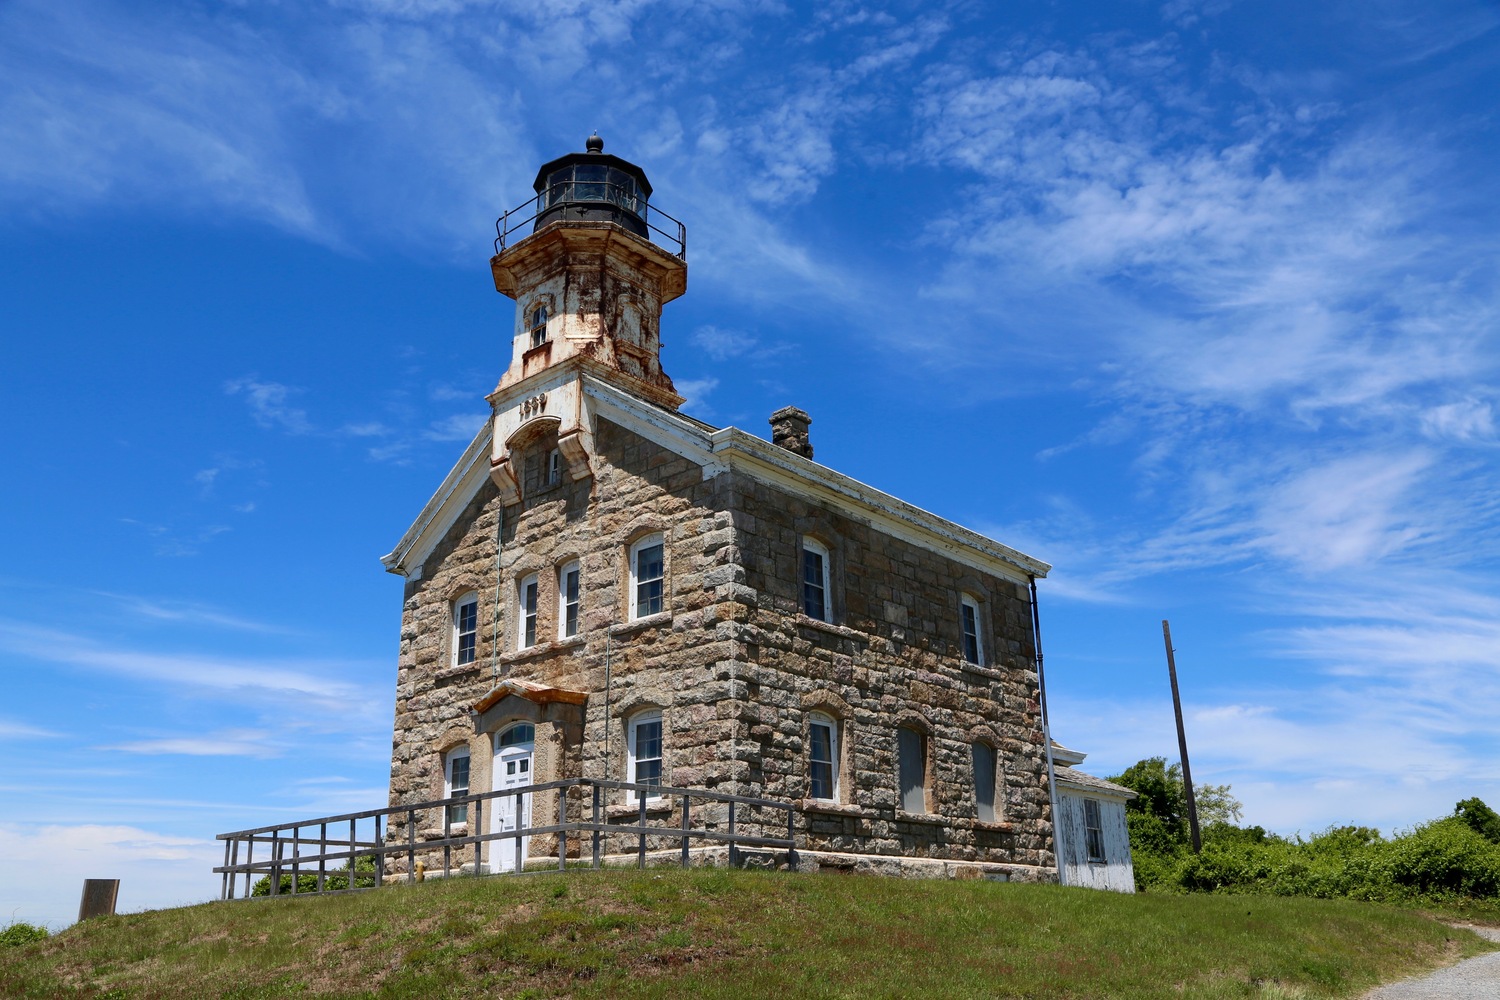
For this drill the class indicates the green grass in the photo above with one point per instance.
(739, 934)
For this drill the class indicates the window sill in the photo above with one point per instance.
(842, 631)
(983, 671)
(934, 818)
(541, 649)
(637, 624)
(833, 808)
(998, 826)
(654, 807)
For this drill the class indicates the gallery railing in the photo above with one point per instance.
(589, 195)
(332, 862)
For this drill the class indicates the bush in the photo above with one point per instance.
(19, 934)
(364, 878)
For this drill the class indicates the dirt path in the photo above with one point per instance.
(1472, 979)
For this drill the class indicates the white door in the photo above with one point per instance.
(512, 769)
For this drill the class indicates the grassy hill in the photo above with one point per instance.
(737, 934)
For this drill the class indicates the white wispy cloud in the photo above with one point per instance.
(258, 743)
(270, 404)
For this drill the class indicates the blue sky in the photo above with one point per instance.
(1195, 300)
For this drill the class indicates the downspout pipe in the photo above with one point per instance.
(1041, 681)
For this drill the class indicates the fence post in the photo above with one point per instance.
(686, 807)
(597, 831)
(447, 835)
(791, 839)
(478, 832)
(379, 857)
(641, 861)
(249, 864)
(733, 852)
(411, 846)
(353, 847)
(224, 882)
(562, 832)
(234, 860)
(520, 801)
(276, 862)
(322, 855)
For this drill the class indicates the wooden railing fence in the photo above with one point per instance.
(292, 849)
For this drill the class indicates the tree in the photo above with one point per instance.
(1158, 814)
(1480, 817)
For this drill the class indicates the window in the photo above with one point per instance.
(984, 782)
(647, 572)
(567, 601)
(465, 628)
(536, 323)
(1093, 830)
(822, 757)
(517, 735)
(912, 763)
(644, 765)
(527, 626)
(968, 616)
(456, 783)
(554, 467)
(815, 581)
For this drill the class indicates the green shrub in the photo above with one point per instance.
(19, 934)
(364, 878)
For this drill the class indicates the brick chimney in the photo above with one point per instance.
(789, 430)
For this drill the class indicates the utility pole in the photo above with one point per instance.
(1187, 773)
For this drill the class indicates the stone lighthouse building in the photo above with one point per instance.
(606, 587)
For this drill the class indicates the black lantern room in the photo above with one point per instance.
(592, 186)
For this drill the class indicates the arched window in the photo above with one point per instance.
(968, 620)
(984, 783)
(815, 596)
(465, 628)
(569, 587)
(822, 757)
(456, 783)
(526, 593)
(644, 763)
(911, 766)
(647, 577)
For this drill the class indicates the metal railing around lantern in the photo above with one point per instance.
(592, 196)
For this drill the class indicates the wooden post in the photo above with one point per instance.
(478, 832)
(224, 890)
(641, 861)
(322, 855)
(686, 806)
(791, 836)
(379, 859)
(733, 851)
(1187, 773)
(275, 862)
(411, 846)
(249, 864)
(234, 860)
(562, 833)
(597, 832)
(520, 801)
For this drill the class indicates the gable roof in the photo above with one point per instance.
(1070, 778)
(719, 450)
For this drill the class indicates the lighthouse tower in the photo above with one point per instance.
(593, 266)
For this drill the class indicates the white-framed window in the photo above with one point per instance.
(554, 467)
(516, 735)
(911, 767)
(526, 592)
(536, 325)
(968, 620)
(643, 765)
(822, 757)
(456, 783)
(569, 582)
(815, 603)
(647, 577)
(984, 782)
(1093, 830)
(465, 629)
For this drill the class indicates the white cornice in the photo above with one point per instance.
(460, 486)
(716, 451)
